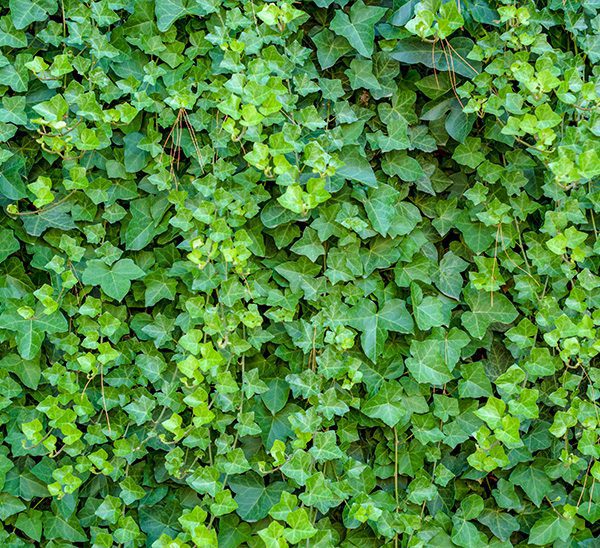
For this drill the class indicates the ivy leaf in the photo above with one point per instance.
(533, 481)
(432, 312)
(146, 215)
(486, 308)
(320, 493)
(28, 371)
(359, 27)
(387, 405)
(309, 245)
(356, 167)
(298, 466)
(549, 528)
(159, 286)
(475, 383)
(9, 506)
(329, 48)
(380, 207)
(395, 317)
(301, 526)
(405, 167)
(8, 243)
(114, 280)
(25, 12)
(30, 332)
(464, 533)
(325, 447)
(56, 217)
(30, 523)
(13, 110)
(407, 217)
(169, 11)
(413, 50)
(501, 524)
(449, 279)
(160, 519)
(58, 527)
(301, 275)
(254, 499)
(375, 325)
(469, 153)
(360, 74)
(427, 364)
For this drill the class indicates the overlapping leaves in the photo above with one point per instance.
(280, 274)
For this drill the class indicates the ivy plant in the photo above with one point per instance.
(319, 273)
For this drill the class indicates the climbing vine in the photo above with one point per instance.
(317, 273)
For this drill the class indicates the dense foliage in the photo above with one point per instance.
(320, 273)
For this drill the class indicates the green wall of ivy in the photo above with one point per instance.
(318, 273)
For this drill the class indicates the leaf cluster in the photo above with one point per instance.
(319, 273)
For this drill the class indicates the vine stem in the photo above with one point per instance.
(104, 398)
(44, 209)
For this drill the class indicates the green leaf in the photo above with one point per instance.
(29, 372)
(8, 243)
(130, 491)
(58, 527)
(427, 364)
(469, 153)
(486, 308)
(25, 12)
(223, 504)
(325, 447)
(380, 207)
(159, 286)
(146, 215)
(387, 405)
(169, 11)
(30, 523)
(375, 325)
(298, 466)
(549, 528)
(449, 279)
(114, 280)
(533, 481)
(432, 312)
(360, 74)
(329, 48)
(9, 505)
(464, 533)
(301, 527)
(359, 27)
(475, 383)
(320, 493)
(31, 332)
(355, 167)
(254, 499)
(309, 245)
(161, 519)
(405, 167)
(393, 316)
(501, 524)
(413, 50)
